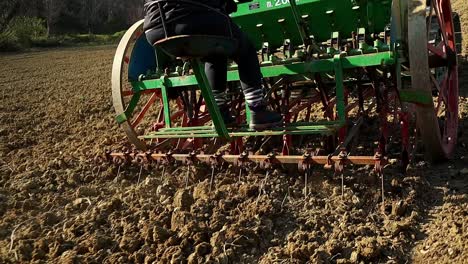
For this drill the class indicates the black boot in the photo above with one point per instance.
(229, 119)
(263, 119)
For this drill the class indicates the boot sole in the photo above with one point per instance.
(261, 127)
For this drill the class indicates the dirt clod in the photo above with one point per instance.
(183, 200)
(57, 206)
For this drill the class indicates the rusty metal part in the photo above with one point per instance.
(190, 159)
(240, 160)
(269, 162)
(164, 158)
(143, 158)
(379, 162)
(245, 158)
(342, 161)
(216, 160)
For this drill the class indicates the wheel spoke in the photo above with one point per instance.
(436, 50)
(443, 87)
(138, 34)
(442, 92)
(429, 21)
(449, 28)
(435, 82)
(452, 82)
(439, 15)
(128, 93)
(142, 113)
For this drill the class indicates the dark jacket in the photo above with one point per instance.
(176, 10)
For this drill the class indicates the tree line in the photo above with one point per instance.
(74, 16)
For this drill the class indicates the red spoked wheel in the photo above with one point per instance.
(434, 71)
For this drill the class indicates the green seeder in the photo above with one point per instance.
(329, 66)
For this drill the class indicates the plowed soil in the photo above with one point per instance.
(57, 207)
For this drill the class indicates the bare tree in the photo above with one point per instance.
(94, 16)
(8, 10)
(53, 9)
(91, 13)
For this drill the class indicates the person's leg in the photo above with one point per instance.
(215, 70)
(251, 82)
(245, 56)
(214, 67)
(210, 23)
(249, 69)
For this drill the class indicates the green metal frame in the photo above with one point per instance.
(335, 65)
(260, 19)
(202, 80)
(324, 65)
(295, 17)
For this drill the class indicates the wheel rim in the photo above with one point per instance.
(141, 113)
(447, 85)
(434, 70)
(120, 88)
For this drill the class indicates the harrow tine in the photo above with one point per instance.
(284, 199)
(306, 182)
(339, 168)
(139, 174)
(118, 171)
(187, 176)
(212, 177)
(261, 188)
(240, 175)
(342, 185)
(378, 168)
(383, 191)
(163, 172)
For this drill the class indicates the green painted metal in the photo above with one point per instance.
(317, 130)
(300, 23)
(416, 96)
(297, 125)
(324, 17)
(248, 113)
(166, 106)
(324, 65)
(195, 128)
(132, 104)
(123, 117)
(202, 80)
(182, 135)
(303, 23)
(340, 103)
(202, 132)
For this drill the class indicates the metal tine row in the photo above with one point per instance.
(243, 162)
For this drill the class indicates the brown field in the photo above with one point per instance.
(56, 207)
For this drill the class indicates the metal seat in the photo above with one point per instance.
(197, 46)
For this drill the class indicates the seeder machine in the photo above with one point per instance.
(357, 81)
